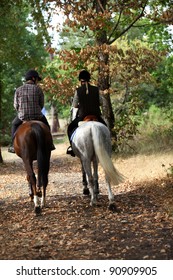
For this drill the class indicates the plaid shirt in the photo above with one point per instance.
(29, 101)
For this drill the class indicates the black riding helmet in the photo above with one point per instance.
(84, 75)
(32, 73)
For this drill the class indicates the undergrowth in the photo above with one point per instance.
(154, 134)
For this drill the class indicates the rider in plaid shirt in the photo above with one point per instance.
(28, 102)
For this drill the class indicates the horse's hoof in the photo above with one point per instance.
(113, 208)
(37, 210)
(86, 191)
(93, 203)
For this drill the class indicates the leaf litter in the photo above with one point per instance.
(69, 228)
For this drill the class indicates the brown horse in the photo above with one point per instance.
(33, 141)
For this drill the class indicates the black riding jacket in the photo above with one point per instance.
(89, 103)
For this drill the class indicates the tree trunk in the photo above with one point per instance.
(103, 69)
(107, 105)
(103, 82)
(107, 111)
(55, 120)
(1, 159)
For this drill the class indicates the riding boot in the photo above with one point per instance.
(11, 148)
(15, 124)
(70, 151)
(53, 147)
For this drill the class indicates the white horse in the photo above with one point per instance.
(91, 142)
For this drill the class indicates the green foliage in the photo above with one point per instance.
(154, 132)
(154, 118)
(128, 71)
(75, 39)
(20, 50)
(159, 36)
(64, 112)
(164, 83)
(127, 119)
(158, 90)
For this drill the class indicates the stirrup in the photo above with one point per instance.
(11, 149)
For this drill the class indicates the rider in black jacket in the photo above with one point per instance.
(88, 101)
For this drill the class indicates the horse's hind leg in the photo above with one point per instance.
(112, 205)
(43, 198)
(95, 167)
(36, 199)
(87, 168)
(32, 181)
(42, 182)
(38, 190)
(30, 189)
(84, 181)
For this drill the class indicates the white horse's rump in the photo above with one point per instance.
(92, 143)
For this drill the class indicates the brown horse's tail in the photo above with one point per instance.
(43, 154)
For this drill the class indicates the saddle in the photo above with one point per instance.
(88, 119)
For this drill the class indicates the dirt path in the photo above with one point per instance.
(70, 229)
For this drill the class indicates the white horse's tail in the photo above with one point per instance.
(112, 173)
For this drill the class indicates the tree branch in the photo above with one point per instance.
(130, 25)
(101, 6)
(115, 27)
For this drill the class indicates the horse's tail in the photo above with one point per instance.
(43, 155)
(99, 141)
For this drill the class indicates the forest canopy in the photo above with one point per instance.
(126, 45)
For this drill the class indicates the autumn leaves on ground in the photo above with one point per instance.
(69, 228)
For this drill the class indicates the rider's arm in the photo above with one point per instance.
(41, 98)
(75, 103)
(16, 105)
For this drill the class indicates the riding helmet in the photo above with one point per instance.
(84, 75)
(32, 73)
